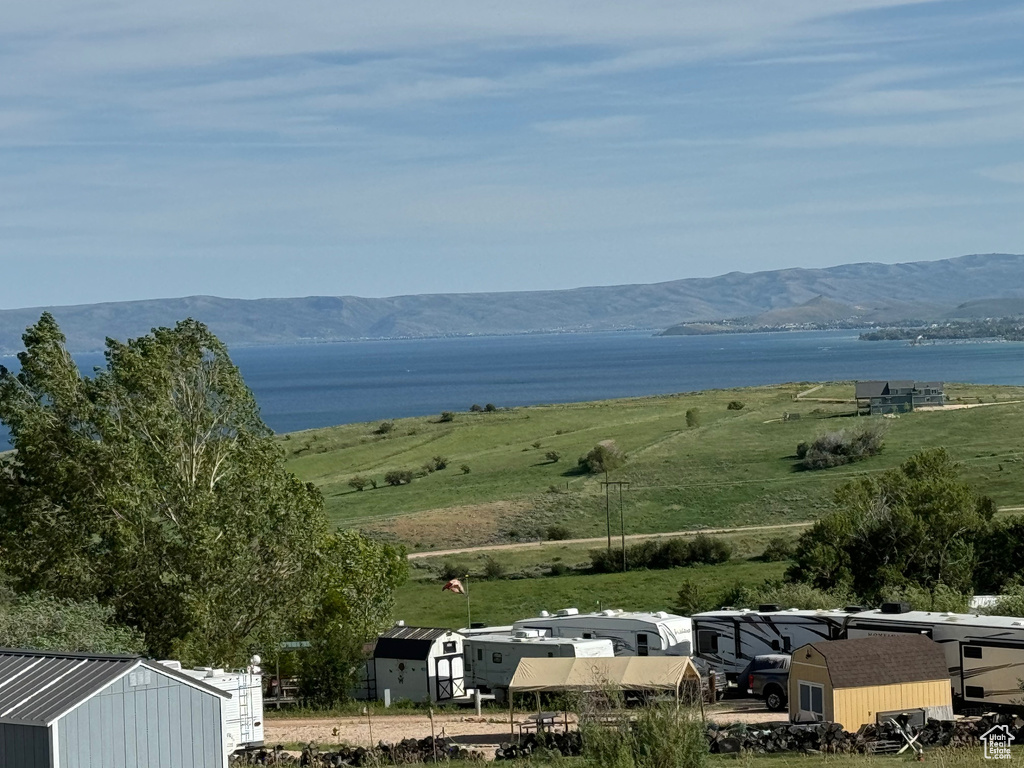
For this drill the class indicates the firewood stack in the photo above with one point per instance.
(568, 744)
(404, 752)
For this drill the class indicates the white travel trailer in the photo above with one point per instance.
(243, 712)
(420, 664)
(491, 660)
(728, 639)
(631, 633)
(985, 654)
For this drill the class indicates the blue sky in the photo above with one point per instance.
(254, 148)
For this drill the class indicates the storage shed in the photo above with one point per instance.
(421, 664)
(855, 682)
(77, 710)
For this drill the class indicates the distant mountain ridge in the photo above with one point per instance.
(924, 284)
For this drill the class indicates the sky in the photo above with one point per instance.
(248, 148)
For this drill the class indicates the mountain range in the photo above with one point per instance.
(920, 290)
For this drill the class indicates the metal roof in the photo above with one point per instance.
(402, 642)
(402, 632)
(38, 687)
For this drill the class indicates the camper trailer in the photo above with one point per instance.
(420, 664)
(728, 639)
(984, 654)
(243, 712)
(631, 633)
(491, 660)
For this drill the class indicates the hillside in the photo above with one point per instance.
(736, 468)
(337, 318)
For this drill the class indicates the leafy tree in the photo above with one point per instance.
(553, 456)
(384, 428)
(693, 417)
(490, 408)
(398, 477)
(358, 482)
(446, 416)
(834, 449)
(603, 457)
(475, 408)
(734, 405)
(155, 488)
(916, 526)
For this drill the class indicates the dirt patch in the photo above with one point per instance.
(453, 527)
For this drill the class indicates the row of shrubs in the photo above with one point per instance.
(833, 449)
(657, 554)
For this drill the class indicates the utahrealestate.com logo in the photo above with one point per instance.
(997, 742)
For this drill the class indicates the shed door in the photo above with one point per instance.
(451, 681)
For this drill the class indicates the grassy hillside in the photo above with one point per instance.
(736, 468)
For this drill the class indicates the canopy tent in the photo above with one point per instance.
(636, 673)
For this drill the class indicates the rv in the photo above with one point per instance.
(243, 712)
(491, 660)
(729, 639)
(984, 654)
(631, 633)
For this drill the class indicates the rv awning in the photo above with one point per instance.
(640, 673)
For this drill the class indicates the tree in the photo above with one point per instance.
(693, 417)
(553, 456)
(155, 488)
(358, 482)
(916, 526)
(603, 457)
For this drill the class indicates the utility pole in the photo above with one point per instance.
(622, 521)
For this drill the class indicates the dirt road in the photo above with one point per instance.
(599, 539)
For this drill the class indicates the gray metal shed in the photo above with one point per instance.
(79, 710)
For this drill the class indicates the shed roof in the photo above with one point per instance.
(402, 642)
(881, 660)
(633, 672)
(37, 687)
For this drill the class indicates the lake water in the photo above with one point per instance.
(316, 385)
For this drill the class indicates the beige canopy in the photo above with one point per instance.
(640, 673)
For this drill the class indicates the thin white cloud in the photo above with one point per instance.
(611, 127)
(1010, 173)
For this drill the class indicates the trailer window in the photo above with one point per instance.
(972, 651)
(707, 641)
(588, 635)
(641, 645)
(496, 658)
(974, 692)
(787, 644)
(479, 654)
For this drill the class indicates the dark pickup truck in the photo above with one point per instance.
(767, 677)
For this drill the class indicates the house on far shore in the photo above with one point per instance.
(877, 397)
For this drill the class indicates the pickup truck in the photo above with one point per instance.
(767, 677)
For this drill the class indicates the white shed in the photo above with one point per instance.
(421, 664)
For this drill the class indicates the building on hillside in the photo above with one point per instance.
(878, 397)
(79, 710)
(420, 664)
(867, 680)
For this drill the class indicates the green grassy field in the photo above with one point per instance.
(736, 468)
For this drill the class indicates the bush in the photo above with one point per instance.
(465, 469)
(493, 569)
(475, 408)
(451, 569)
(834, 449)
(559, 569)
(358, 482)
(661, 736)
(490, 408)
(709, 549)
(439, 462)
(536, 444)
(734, 405)
(553, 456)
(659, 554)
(777, 550)
(802, 449)
(693, 417)
(693, 598)
(446, 416)
(398, 477)
(384, 427)
(558, 532)
(603, 457)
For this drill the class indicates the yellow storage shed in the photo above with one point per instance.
(852, 682)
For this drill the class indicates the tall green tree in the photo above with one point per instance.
(920, 525)
(155, 487)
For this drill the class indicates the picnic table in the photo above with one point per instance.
(543, 722)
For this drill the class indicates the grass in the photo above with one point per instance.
(422, 603)
(736, 468)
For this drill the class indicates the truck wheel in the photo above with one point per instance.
(774, 699)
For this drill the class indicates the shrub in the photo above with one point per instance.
(734, 405)
(536, 444)
(660, 736)
(398, 477)
(446, 416)
(603, 457)
(693, 598)
(834, 449)
(558, 569)
(475, 408)
(384, 427)
(693, 417)
(358, 482)
(373, 483)
(465, 469)
(553, 456)
(493, 569)
(777, 550)
(490, 408)
(452, 569)
(558, 532)
(802, 449)
(439, 462)
(663, 553)
(709, 549)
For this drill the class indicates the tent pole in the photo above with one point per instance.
(511, 717)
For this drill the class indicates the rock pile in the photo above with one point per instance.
(404, 752)
(782, 737)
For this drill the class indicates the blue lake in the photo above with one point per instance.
(316, 385)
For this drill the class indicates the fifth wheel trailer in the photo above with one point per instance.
(633, 633)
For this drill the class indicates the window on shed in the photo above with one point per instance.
(812, 699)
(450, 647)
(496, 658)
